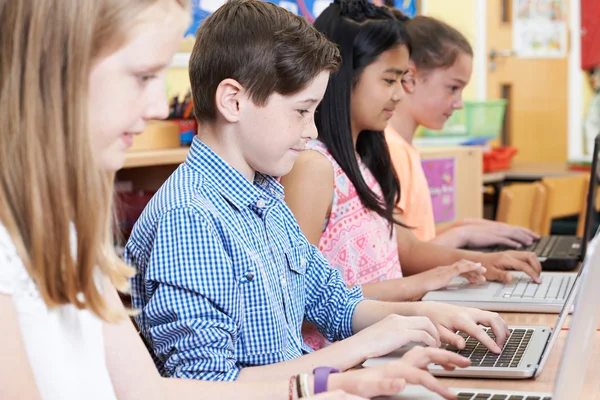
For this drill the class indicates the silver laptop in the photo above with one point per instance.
(574, 361)
(520, 295)
(524, 353)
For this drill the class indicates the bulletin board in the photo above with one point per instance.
(310, 9)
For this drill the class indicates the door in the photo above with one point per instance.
(536, 90)
(590, 34)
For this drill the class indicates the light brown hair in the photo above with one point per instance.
(264, 47)
(49, 183)
(435, 44)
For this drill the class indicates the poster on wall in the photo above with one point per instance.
(540, 28)
(440, 174)
(310, 9)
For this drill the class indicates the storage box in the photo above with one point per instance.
(157, 135)
(478, 119)
(498, 158)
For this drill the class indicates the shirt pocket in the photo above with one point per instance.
(297, 258)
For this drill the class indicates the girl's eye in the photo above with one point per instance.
(145, 78)
(390, 81)
(303, 112)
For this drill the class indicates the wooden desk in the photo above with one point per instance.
(493, 177)
(545, 382)
(537, 171)
(528, 172)
(529, 319)
(516, 319)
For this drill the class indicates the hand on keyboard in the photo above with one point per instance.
(393, 332)
(484, 233)
(440, 277)
(411, 368)
(449, 319)
(497, 265)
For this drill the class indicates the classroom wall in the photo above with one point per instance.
(461, 14)
(178, 81)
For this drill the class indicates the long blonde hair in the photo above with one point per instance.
(48, 182)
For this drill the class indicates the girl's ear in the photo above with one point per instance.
(411, 77)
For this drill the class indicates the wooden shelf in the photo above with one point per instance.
(149, 158)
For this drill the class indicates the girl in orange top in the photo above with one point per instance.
(440, 67)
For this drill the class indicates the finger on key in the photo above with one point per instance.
(481, 335)
(528, 264)
(497, 324)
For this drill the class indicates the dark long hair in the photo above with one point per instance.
(362, 32)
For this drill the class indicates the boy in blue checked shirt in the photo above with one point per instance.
(226, 278)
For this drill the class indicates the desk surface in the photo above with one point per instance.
(529, 171)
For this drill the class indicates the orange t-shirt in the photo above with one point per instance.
(415, 199)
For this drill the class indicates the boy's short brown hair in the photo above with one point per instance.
(264, 47)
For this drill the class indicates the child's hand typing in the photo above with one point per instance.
(388, 379)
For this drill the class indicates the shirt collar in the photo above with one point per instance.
(228, 181)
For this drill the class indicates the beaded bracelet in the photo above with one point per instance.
(291, 392)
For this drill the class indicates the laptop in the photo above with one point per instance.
(520, 295)
(524, 353)
(561, 252)
(575, 358)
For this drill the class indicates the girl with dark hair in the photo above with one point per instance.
(439, 69)
(344, 191)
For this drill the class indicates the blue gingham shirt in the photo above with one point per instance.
(226, 277)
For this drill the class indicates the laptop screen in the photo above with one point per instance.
(580, 346)
(592, 219)
(569, 302)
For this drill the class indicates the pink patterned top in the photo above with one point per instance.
(356, 241)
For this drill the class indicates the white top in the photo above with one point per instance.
(65, 346)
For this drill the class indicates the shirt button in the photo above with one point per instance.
(249, 276)
(283, 282)
(260, 203)
(303, 261)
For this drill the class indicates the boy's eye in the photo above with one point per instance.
(453, 88)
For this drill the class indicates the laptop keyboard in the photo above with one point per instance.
(552, 287)
(511, 355)
(556, 246)
(485, 396)
(544, 246)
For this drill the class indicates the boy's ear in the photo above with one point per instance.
(227, 99)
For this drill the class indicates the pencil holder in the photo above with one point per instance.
(187, 130)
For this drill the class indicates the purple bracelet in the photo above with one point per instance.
(321, 374)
